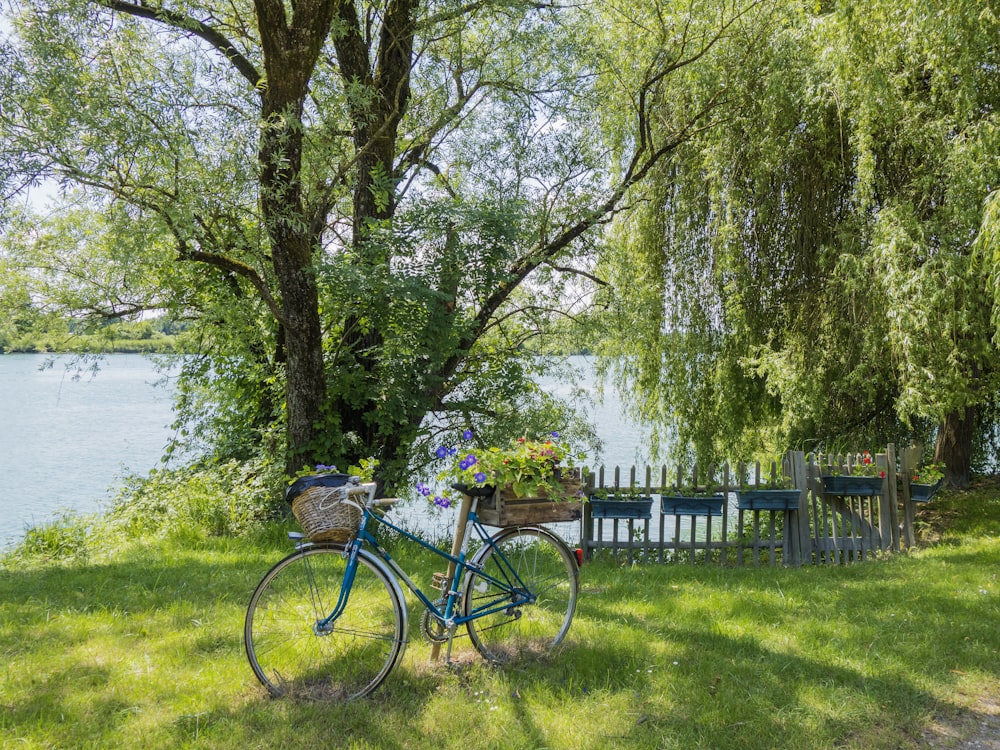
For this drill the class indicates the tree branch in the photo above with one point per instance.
(233, 266)
(576, 272)
(185, 23)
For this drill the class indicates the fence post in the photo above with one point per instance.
(891, 513)
(908, 462)
(798, 533)
(587, 519)
(727, 484)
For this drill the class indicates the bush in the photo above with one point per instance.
(70, 537)
(220, 499)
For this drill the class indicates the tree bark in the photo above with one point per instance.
(953, 446)
(375, 126)
(290, 54)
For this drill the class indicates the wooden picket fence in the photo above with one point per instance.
(820, 528)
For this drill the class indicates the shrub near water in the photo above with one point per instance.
(231, 498)
(226, 499)
(68, 537)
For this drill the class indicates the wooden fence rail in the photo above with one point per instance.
(808, 525)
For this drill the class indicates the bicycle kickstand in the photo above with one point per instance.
(451, 638)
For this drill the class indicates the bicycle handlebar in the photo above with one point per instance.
(368, 489)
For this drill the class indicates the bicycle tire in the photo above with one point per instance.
(351, 659)
(549, 571)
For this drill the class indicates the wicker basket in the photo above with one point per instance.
(325, 515)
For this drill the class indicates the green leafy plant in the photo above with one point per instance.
(867, 467)
(364, 469)
(622, 494)
(311, 471)
(694, 489)
(928, 474)
(776, 481)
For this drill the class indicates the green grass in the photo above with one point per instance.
(139, 645)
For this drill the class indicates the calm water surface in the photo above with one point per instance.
(66, 442)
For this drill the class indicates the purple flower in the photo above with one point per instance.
(467, 435)
(442, 452)
(554, 434)
(480, 477)
(325, 467)
(452, 451)
(423, 489)
(442, 502)
(470, 460)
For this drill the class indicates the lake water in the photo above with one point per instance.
(68, 438)
(66, 442)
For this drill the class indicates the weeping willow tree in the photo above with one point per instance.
(806, 267)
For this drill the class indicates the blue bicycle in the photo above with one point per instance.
(330, 621)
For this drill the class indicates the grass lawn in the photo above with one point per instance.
(140, 646)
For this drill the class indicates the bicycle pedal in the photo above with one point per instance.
(439, 580)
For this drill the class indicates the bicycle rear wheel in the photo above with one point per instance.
(293, 656)
(532, 560)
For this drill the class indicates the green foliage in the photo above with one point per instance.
(67, 538)
(804, 270)
(224, 499)
(931, 473)
(366, 239)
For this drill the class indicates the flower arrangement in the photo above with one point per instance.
(928, 474)
(866, 467)
(530, 467)
(364, 470)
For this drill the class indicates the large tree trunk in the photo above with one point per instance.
(375, 123)
(953, 447)
(290, 54)
(291, 252)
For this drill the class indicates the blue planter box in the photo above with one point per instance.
(608, 508)
(692, 505)
(921, 493)
(844, 484)
(768, 500)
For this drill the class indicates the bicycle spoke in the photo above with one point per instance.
(364, 642)
(538, 560)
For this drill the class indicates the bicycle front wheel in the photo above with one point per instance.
(522, 562)
(293, 654)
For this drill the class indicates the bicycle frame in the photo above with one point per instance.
(512, 591)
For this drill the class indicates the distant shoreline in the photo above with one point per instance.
(93, 345)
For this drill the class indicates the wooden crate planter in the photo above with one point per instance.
(845, 484)
(504, 508)
(692, 505)
(609, 508)
(768, 499)
(922, 493)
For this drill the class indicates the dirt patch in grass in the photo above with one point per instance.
(978, 729)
